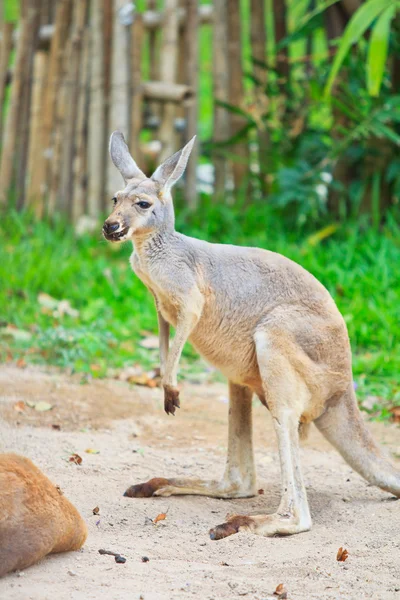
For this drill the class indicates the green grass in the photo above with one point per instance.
(357, 264)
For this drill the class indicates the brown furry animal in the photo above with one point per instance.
(35, 518)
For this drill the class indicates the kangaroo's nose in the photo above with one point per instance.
(110, 227)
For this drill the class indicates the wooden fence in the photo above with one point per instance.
(71, 72)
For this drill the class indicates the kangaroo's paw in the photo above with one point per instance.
(266, 525)
(171, 399)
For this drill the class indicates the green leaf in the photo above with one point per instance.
(235, 109)
(308, 24)
(378, 50)
(356, 27)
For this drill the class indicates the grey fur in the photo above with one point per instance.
(270, 327)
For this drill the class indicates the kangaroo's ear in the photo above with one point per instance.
(167, 174)
(122, 159)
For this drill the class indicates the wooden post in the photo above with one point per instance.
(153, 45)
(6, 47)
(97, 113)
(52, 95)
(108, 6)
(58, 133)
(236, 91)
(259, 52)
(35, 193)
(27, 23)
(136, 89)
(221, 92)
(168, 66)
(79, 204)
(71, 112)
(180, 78)
(24, 115)
(119, 108)
(192, 79)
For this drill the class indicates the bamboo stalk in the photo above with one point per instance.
(72, 96)
(120, 77)
(6, 47)
(54, 174)
(236, 90)
(24, 116)
(153, 38)
(221, 92)
(192, 79)
(258, 39)
(136, 91)
(282, 66)
(80, 159)
(53, 95)
(35, 191)
(107, 56)
(259, 52)
(168, 66)
(12, 122)
(180, 124)
(97, 123)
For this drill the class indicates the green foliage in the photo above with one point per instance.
(356, 263)
(383, 11)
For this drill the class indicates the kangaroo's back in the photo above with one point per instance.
(35, 518)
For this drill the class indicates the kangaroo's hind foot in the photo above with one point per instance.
(239, 479)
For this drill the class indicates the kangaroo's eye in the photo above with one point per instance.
(144, 204)
(114, 200)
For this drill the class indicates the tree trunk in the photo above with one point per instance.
(96, 148)
(236, 92)
(192, 110)
(221, 92)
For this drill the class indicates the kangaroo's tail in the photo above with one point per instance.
(342, 425)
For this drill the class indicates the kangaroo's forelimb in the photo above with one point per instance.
(239, 477)
(187, 318)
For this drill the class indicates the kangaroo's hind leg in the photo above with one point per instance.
(286, 394)
(239, 478)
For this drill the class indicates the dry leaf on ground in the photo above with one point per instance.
(137, 376)
(342, 554)
(281, 592)
(20, 406)
(160, 517)
(75, 458)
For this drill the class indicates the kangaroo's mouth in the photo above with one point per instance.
(118, 236)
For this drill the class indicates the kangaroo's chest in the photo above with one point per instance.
(164, 304)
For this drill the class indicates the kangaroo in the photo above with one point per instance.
(35, 518)
(267, 324)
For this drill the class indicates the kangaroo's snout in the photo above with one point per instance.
(110, 227)
(115, 232)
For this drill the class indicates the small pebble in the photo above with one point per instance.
(120, 559)
(145, 559)
(72, 573)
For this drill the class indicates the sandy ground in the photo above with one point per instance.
(137, 441)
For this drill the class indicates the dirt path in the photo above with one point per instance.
(136, 441)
